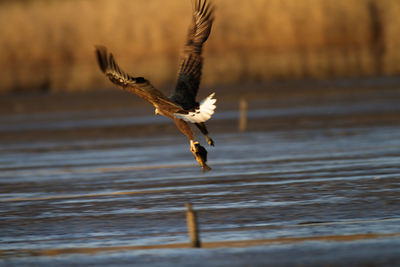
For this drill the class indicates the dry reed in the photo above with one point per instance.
(48, 45)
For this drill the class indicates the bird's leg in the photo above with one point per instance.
(193, 147)
(202, 127)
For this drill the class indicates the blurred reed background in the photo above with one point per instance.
(48, 45)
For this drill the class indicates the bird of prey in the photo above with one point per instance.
(181, 106)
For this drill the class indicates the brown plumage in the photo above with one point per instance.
(181, 106)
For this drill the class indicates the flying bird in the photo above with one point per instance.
(181, 106)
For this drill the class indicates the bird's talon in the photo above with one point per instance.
(194, 147)
(210, 141)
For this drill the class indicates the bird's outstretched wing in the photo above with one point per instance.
(138, 85)
(192, 61)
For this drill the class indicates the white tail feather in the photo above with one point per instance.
(202, 113)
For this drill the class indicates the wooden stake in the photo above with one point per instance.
(242, 114)
(192, 226)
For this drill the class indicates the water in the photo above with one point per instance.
(297, 192)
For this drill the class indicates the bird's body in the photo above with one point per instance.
(181, 106)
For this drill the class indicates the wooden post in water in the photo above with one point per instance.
(192, 226)
(242, 114)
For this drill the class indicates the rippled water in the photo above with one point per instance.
(302, 189)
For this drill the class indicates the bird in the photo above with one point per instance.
(181, 106)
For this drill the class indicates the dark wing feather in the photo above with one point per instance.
(139, 85)
(191, 62)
